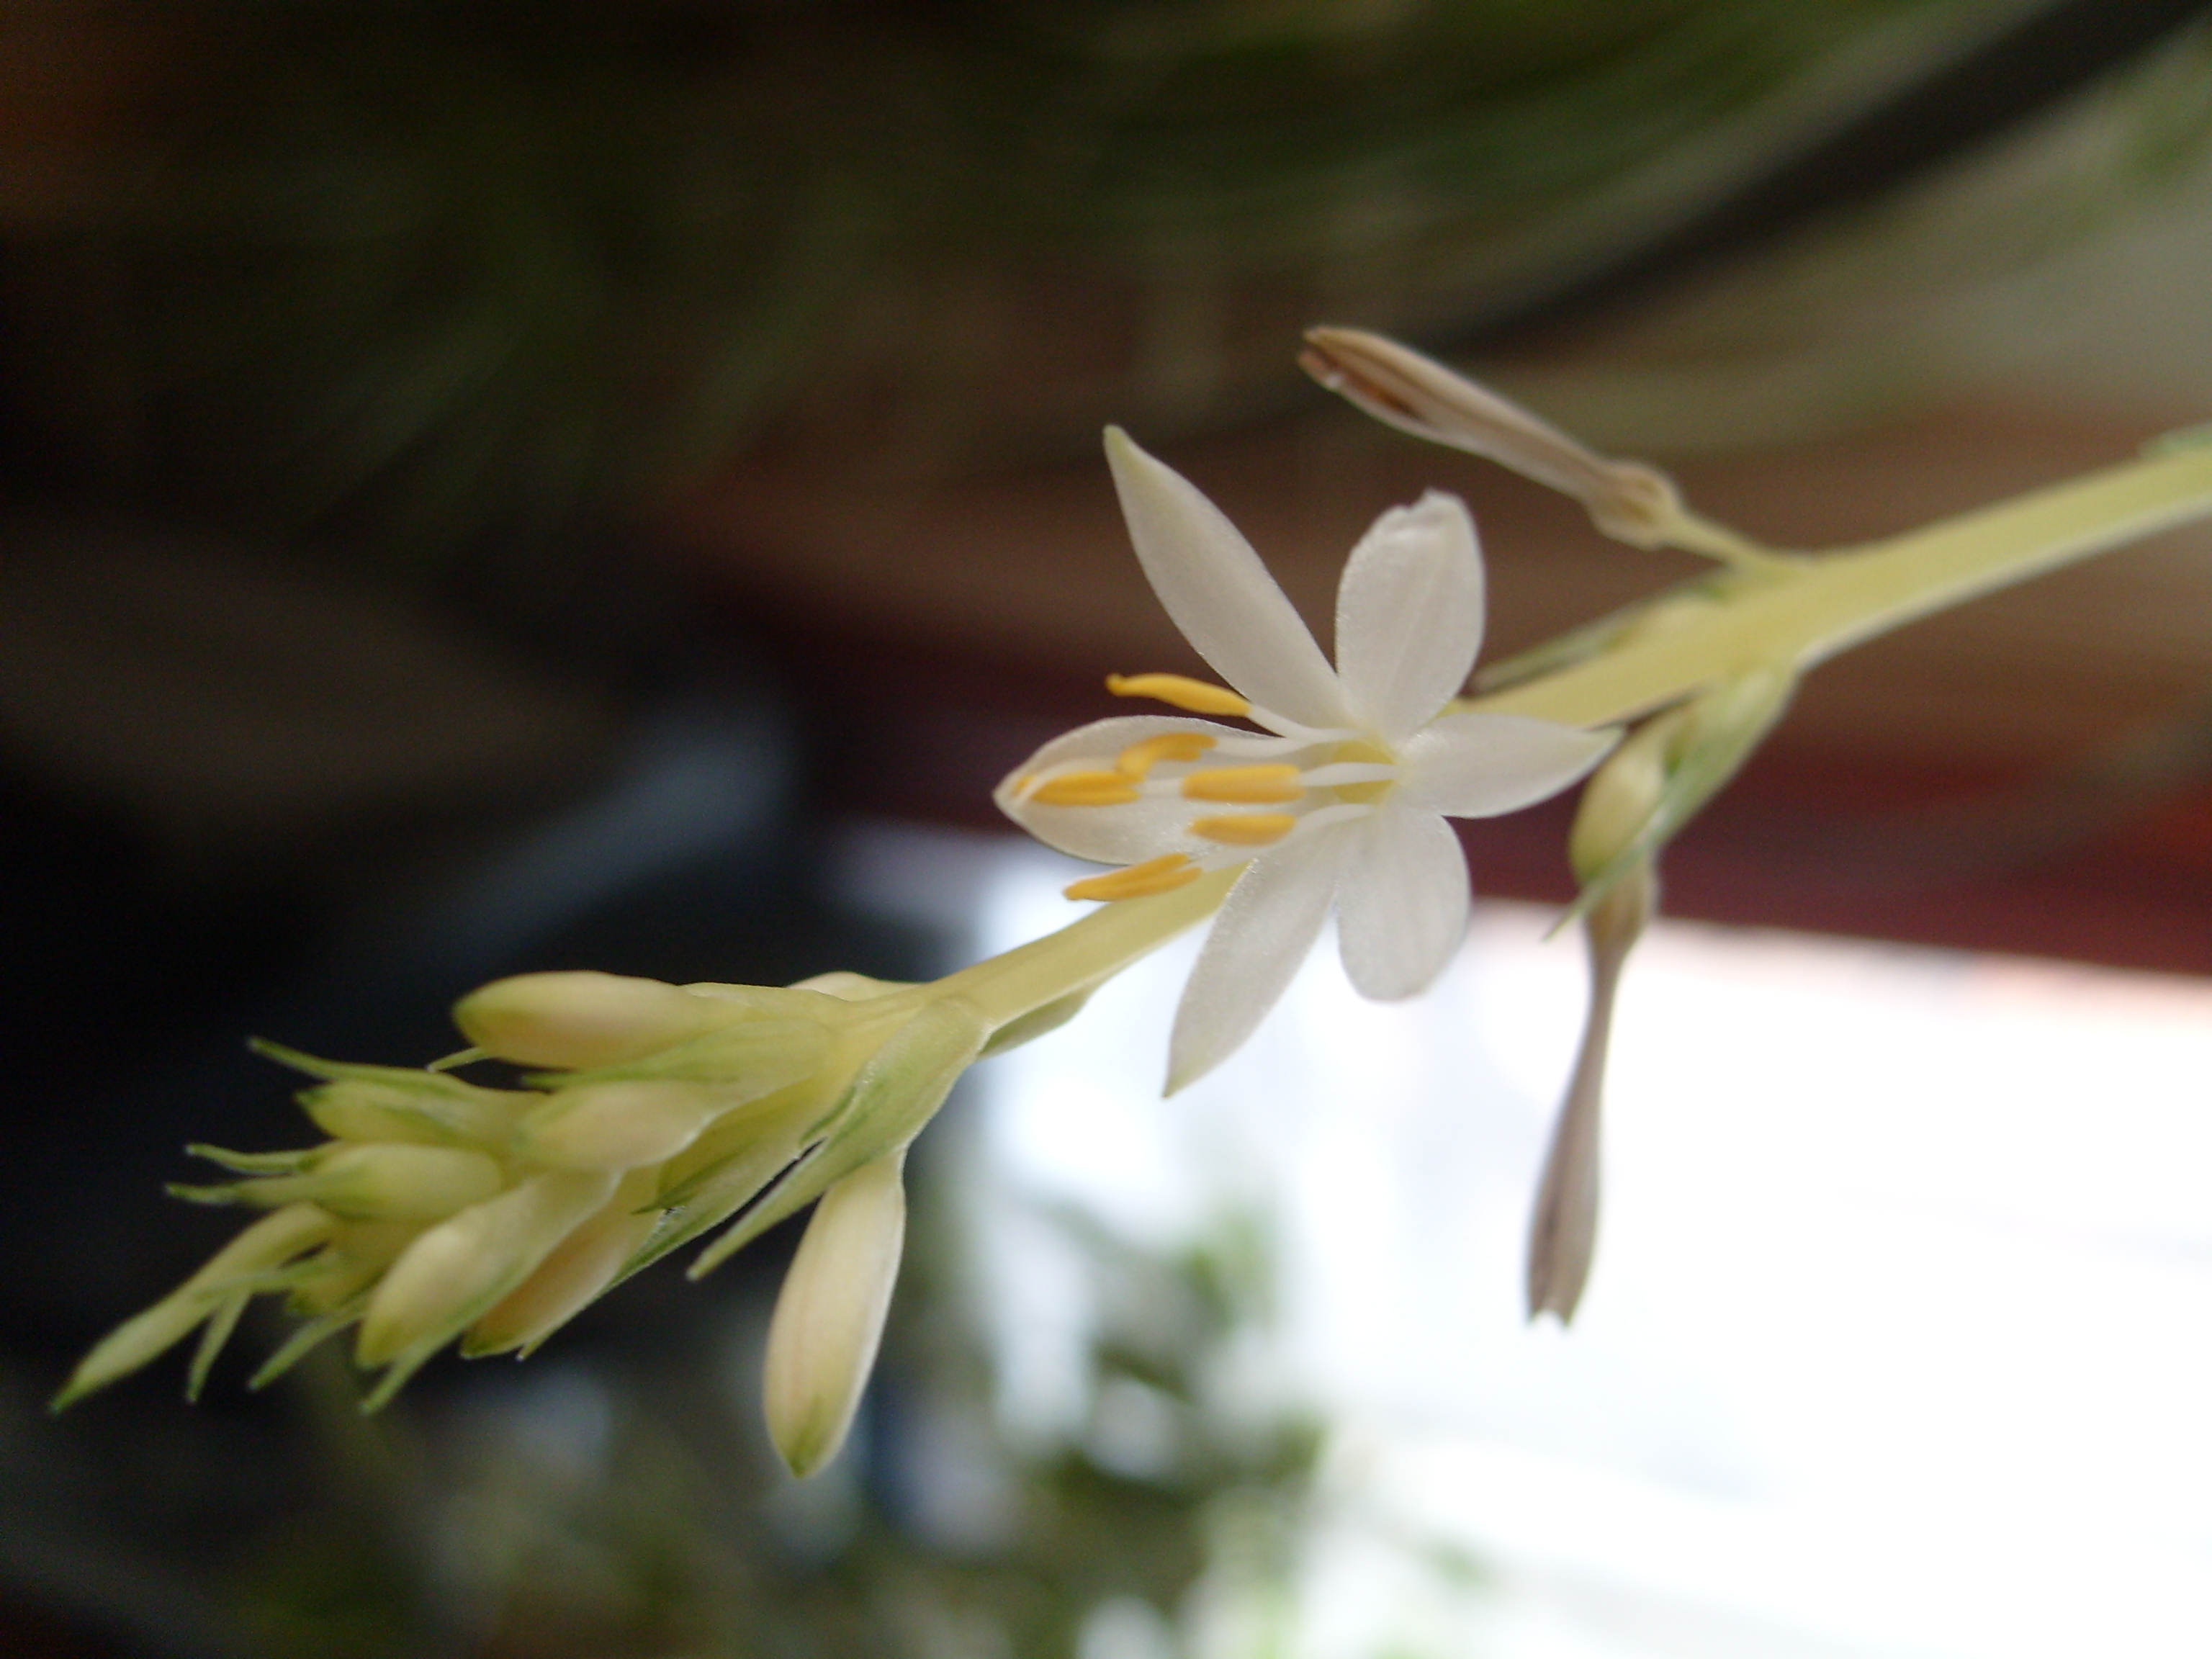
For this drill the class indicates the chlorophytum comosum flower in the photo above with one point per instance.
(1341, 797)
(1680, 758)
(641, 1117)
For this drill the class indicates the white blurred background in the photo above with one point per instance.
(1899, 1341)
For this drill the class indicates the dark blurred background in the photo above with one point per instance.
(493, 487)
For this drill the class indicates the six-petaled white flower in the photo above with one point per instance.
(1341, 797)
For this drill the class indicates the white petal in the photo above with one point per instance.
(1409, 615)
(1401, 906)
(1147, 829)
(1101, 743)
(1214, 586)
(1476, 766)
(1265, 928)
(1110, 835)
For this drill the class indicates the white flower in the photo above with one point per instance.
(1342, 799)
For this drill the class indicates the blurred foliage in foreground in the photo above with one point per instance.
(406, 274)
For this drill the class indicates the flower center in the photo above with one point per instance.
(1263, 773)
(1360, 751)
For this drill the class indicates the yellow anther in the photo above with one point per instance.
(1160, 875)
(1181, 691)
(1084, 789)
(1246, 785)
(1246, 829)
(1139, 758)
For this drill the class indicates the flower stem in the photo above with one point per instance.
(1079, 956)
(1803, 612)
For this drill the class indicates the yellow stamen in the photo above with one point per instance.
(1246, 829)
(1181, 691)
(1084, 789)
(1139, 758)
(1247, 785)
(1364, 794)
(1160, 875)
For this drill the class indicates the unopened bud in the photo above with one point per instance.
(1618, 801)
(567, 1281)
(1398, 386)
(1666, 770)
(618, 1126)
(1563, 1231)
(441, 1111)
(578, 1019)
(751, 1055)
(829, 1315)
(372, 1182)
(461, 1268)
(354, 1260)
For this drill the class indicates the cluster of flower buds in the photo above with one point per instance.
(646, 1115)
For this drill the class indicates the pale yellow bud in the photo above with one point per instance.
(1669, 769)
(618, 1126)
(578, 1019)
(377, 1183)
(567, 1281)
(829, 1315)
(439, 1111)
(354, 1260)
(1621, 796)
(460, 1268)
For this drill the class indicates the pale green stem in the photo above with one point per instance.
(1692, 534)
(1795, 613)
(1079, 956)
(1803, 612)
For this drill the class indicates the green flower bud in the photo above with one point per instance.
(760, 1048)
(392, 1182)
(1697, 748)
(1618, 802)
(1563, 1231)
(399, 1102)
(578, 1019)
(723, 1172)
(618, 1126)
(567, 1281)
(461, 1268)
(435, 1111)
(354, 1260)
